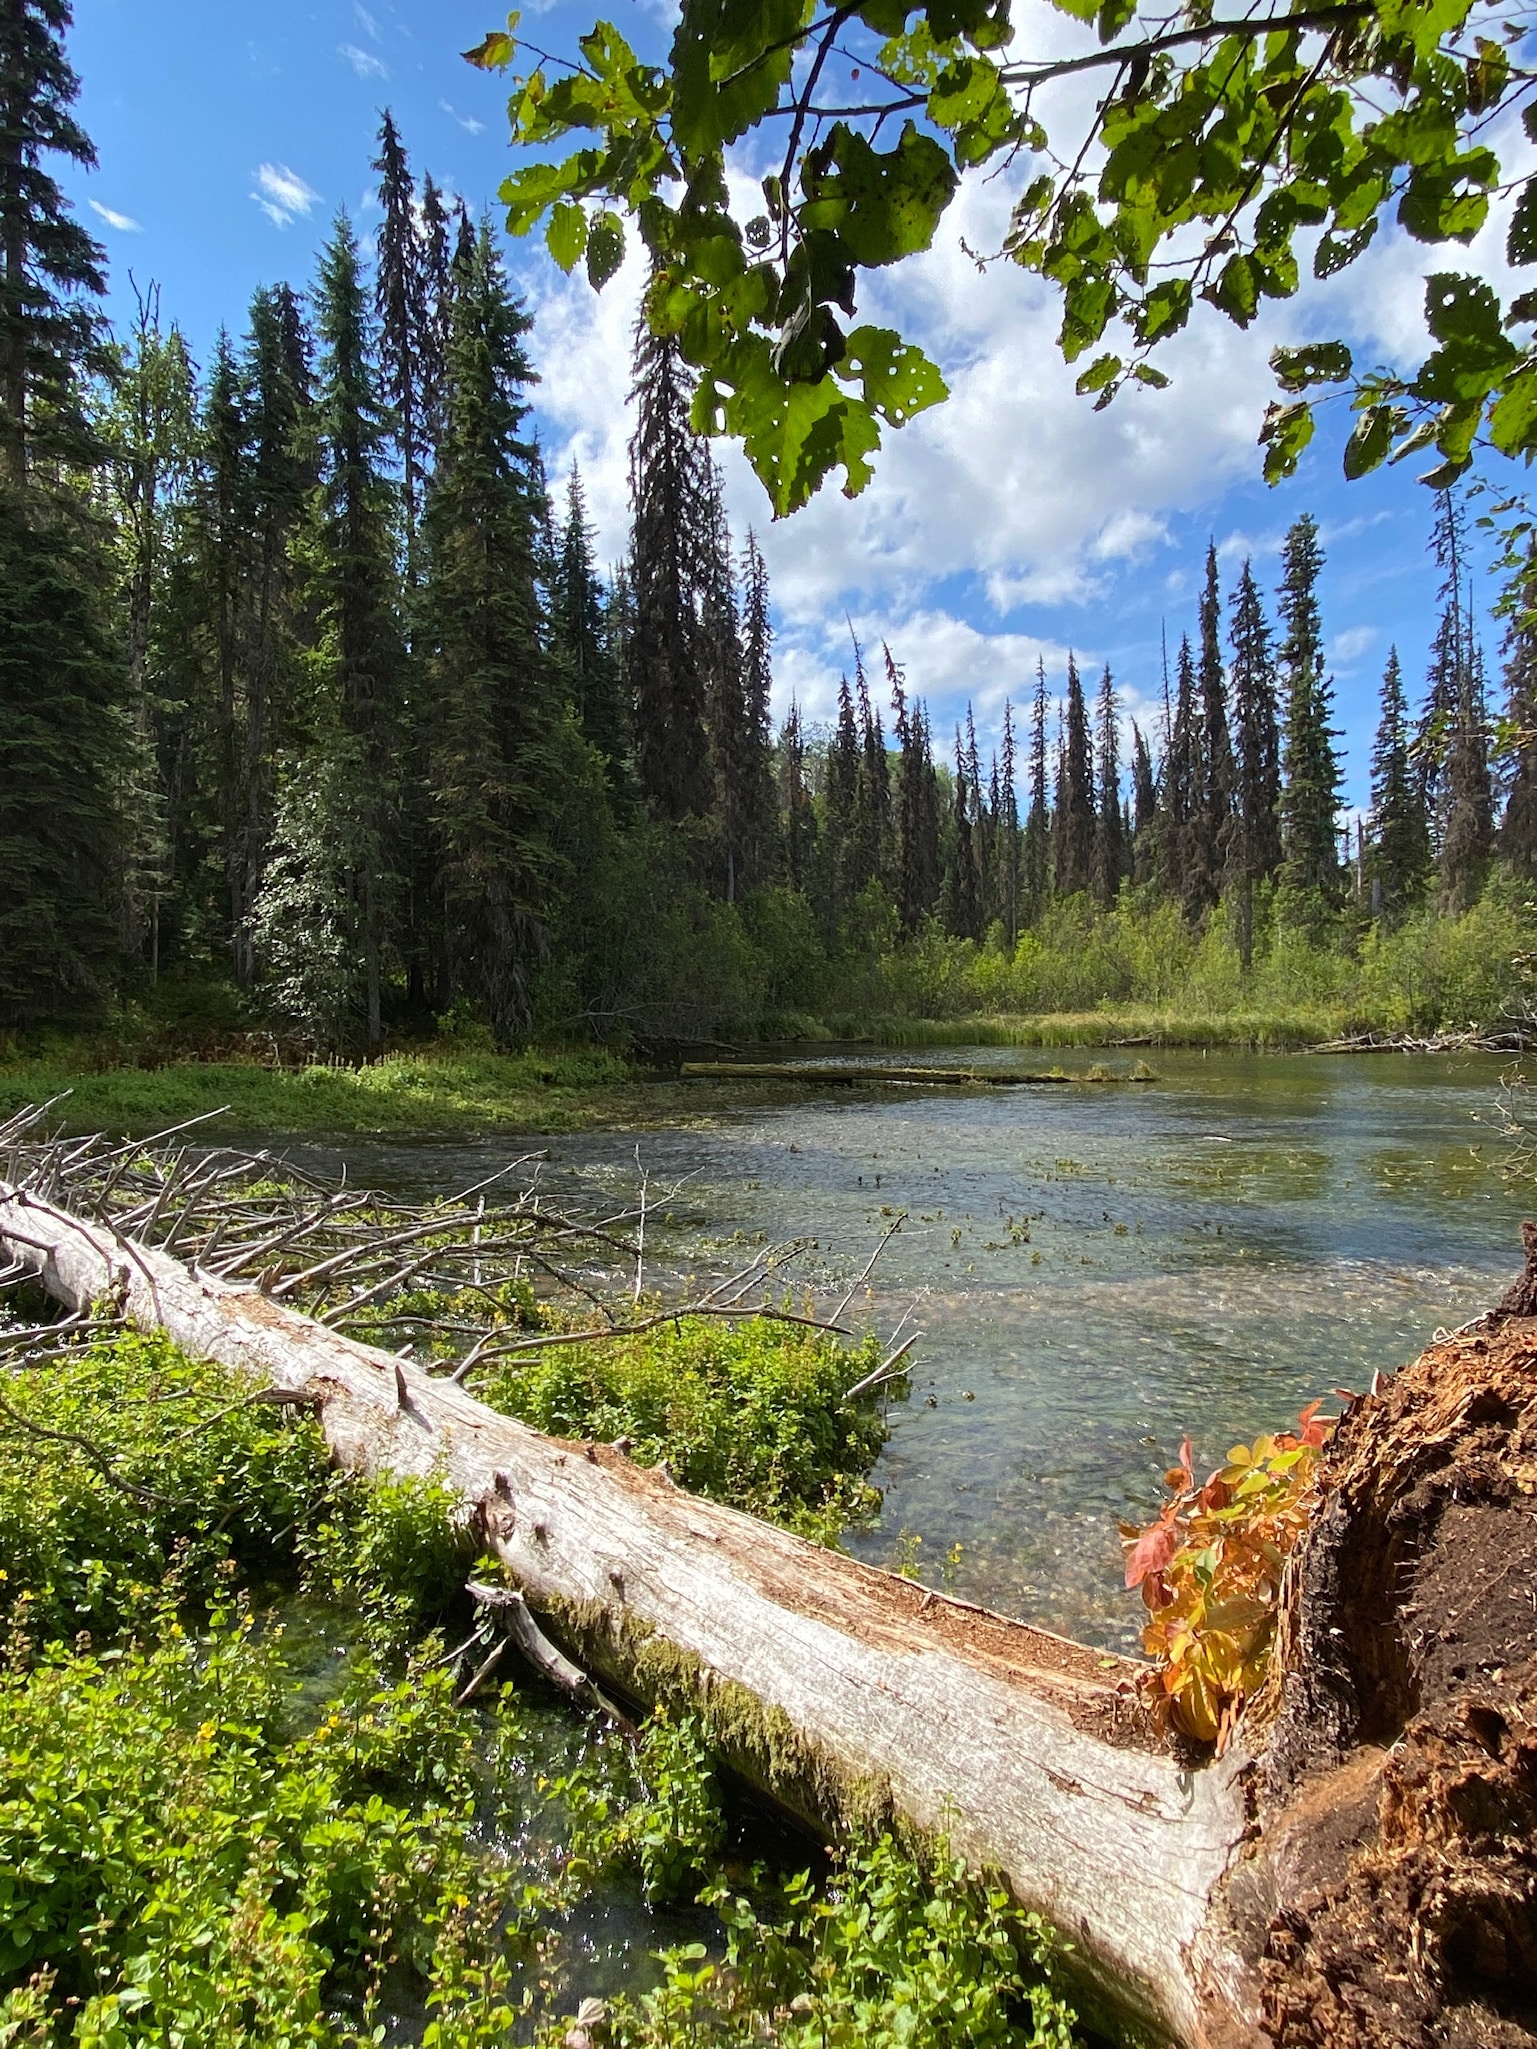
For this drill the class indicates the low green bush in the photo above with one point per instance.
(197, 1853)
(750, 1413)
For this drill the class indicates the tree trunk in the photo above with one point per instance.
(1359, 1869)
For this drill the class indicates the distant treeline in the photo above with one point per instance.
(307, 687)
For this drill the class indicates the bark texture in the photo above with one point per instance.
(1358, 1870)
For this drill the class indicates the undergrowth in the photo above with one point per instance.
(195, 1850)
(751, 1414)
(1209, 1568)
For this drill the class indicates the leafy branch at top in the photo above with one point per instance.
(1221, 152)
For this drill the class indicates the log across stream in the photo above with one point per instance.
(1359, 1868)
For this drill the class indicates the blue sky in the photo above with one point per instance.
(1010, 521)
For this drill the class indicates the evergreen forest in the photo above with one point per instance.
(321, 720)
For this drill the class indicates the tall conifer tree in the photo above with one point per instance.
(1008, 831)
(1257, 768)
(1075, 802)
(1310, 793)
(1467, 837)
(1037, 848)
(872, 855)
(494, 763)
(338, 823)
(1180, 873)
(755, 795)
(961, 888)
(584, 643)
(65, 739)
(1518, 829)
(1144, 807)
(1400, 833)
(51, 272)
(839, 812)
(1213, 837)
(798, 818)
(671, 493)
(1109, 854)
(404, 314)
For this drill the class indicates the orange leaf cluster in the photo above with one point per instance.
(1210, 1567)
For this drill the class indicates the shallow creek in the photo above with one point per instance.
(1098, 1269)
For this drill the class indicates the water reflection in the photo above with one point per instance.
(1100, 1269)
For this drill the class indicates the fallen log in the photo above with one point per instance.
(822, 1074)
(1360, 1867)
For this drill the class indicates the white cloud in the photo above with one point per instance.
(282, 194)
(124, 223)
(466, 121)
(366, 21)
(363, 62)
(1346, 648)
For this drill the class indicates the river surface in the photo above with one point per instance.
(1096, 1269)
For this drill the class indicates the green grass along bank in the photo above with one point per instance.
(1084, 978)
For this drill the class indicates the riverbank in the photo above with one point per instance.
(439, 1087)
(553, 1092)
(1288, 1031)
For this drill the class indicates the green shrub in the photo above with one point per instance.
(188, 1472)
(189, 1876)
(750, 1413)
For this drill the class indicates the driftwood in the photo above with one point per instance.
(1358, 1869)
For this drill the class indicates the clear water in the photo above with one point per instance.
(1097, 1269)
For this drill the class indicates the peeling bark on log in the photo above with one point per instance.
(1360, 1869)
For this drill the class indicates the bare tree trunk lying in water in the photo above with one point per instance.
(1361, 1868)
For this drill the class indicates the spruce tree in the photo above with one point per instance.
(1450, 659)
(1075, 803)
(1144, 807)
(798, 834)
(352, 549)
(1310, 793)
(1258, 765)
(1257, 769)
(1007, 812)
(583, 643)
(1109, 855)
(984, 797)
(1518, 828)
(755, 793)
(1213, 836)
(51, 272)
(871, 855)
(718, 647)
(66, 745)
(1467, 838)
(839, 813)
(1036, 860)
(148, 425)
(436, 307)
(1180, 873)
(961, 892)
(278, 479)
(918, 867)
(926, 865)
(671, 493)
(1400, 833)
(494, 762)
(400, 302)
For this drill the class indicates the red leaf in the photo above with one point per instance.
(1151, 1552)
